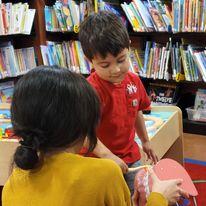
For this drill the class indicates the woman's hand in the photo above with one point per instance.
(170, 189)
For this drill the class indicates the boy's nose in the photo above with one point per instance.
(115, 69)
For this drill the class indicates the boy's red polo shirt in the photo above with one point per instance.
(120, 104)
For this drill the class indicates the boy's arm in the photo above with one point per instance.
(103, 152)
(142, 134)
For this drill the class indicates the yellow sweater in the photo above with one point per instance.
(68, 180)
(71, 180)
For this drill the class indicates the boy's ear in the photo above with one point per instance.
(90, 62)
(130, 41)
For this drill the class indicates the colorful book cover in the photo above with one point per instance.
(58, 10)
(134, 61)
(200, 100)
(163, 94)
(144, 14)
(66, 14)
(6, 91)
(5, 122)
(48, 18)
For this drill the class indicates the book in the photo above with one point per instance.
(163, 94)
(6, 91)
(200, 100)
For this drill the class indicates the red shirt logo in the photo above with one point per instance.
(131, 88)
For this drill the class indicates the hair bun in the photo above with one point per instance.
(26, 158)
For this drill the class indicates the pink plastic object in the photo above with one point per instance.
(169, 169)
(165, 169)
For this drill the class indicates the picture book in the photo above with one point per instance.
(6, 91)
(163, 94)
(200, 100)
(6, 130)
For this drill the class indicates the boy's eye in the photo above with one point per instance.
(121, 60)
(105, 66)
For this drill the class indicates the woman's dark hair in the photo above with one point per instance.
(52, 108)
(102, 33)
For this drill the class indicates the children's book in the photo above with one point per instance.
(6, 130)
(163, 94)
(6, 91)
(114, 8)
(200, 100)
(48, 17)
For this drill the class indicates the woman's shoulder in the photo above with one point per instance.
(102, 165)
(87, 164)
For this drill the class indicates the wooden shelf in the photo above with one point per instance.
(169, 34)
(16, 35)
(132, 33)
(194, 127)
(11, 78)
(61, 36)
(196, 84)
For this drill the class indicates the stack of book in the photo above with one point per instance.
(63, 17)
(6, 131)
(148, 16)
(66, 15)
(199, 56)
(189, 15)
(16, 18)
(66, 54)
(6, 93)
(153, 15)
(15, 62)
(170, 61)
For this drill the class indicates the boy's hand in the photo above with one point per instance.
(149, 152)
(119, 161)
(168, 188)
(103, 152)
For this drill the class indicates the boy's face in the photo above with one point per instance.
(112, 69)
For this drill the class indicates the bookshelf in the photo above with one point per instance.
(17, 39)
(194, 36)
(39, 36)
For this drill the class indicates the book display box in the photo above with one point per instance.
(167, 141)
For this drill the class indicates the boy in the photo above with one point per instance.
(105, 42)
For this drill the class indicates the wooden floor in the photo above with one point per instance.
(195, 146)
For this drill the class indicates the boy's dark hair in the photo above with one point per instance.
(52, 108)
(102, 33)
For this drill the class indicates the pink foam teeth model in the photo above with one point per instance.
(165, 169)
